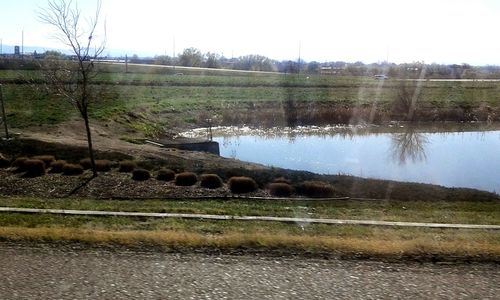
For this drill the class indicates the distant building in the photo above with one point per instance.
(16, 50)
(329, 70)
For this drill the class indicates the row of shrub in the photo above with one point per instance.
(313, 189)
(38, 165)
(210, 181)
(280, 187)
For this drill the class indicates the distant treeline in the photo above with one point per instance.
(192, 57)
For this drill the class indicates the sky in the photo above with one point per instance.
(432, 31)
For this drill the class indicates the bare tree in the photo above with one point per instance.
(408, 95)
(71, 78)
(409, 145)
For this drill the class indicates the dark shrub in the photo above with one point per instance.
(57, 166)
(34, 168)
(165, 175)
(186, 179)
(280, 189)
(72, 169)
(315, 189)
(47, 159)
(241, 184)
(127, 166)
(211, 181)
(18, 163)
(282, 180)
(102, 165)
(85, 163)
(4, 162)
(140, 174)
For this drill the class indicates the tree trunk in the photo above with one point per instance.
(89, 141)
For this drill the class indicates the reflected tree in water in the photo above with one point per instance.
(408, 146)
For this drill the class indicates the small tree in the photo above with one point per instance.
(71, 78)
(191, 57)
(212, 60)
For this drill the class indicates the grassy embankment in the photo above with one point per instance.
(147, 99)
(348, 240)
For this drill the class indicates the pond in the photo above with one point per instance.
(403, 153)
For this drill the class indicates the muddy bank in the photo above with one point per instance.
(114, 184)
(317, 113)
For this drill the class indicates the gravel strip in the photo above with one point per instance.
(62, 273)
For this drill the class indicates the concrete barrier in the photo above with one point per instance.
(188, 144)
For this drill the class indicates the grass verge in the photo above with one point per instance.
(418, 247)
(469, 212)
(248, 236)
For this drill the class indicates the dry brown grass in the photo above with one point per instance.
(315, 189)
(211, 181)
(72, 169)
(371, 247)
(165, 175)
(4, 161)
(102, 165)
(34, 168)
(47, 159)
(140, 174)
(57, 166)
(280, 189)
(186, 179)
(242, 184)
(127, 166)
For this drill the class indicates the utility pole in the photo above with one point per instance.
(298, 73)
(22, 43)
(4, 117)
(126, 63)
(173, 51)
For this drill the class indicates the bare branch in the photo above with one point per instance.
(71, 79)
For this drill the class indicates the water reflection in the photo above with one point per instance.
(409, 146)
(400, 152)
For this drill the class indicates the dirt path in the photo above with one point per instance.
(64, 273)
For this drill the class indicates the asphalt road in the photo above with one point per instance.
(29, 272)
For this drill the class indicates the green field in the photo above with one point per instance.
(149, 95)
